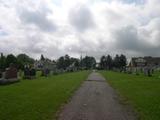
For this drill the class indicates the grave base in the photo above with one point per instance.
(8, 81)
(29, 77)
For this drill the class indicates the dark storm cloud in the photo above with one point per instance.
(38, 18)
(81, 18)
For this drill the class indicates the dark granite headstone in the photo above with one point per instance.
(29, 73)
(26, 72)
(10, 75)
(1, 74)
(45, 72)
(11, 72)
(33, 72)
(149, 72)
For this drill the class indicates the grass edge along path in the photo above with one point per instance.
(141, 92)
(38, 99)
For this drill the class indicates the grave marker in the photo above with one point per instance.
(10, 75)
(1, 74)
(29, 73)
(45, 72)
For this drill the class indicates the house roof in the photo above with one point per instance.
(147, 59)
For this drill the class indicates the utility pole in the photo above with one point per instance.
(81, 59)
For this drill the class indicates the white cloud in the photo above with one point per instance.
(94, 27)
(81, 18)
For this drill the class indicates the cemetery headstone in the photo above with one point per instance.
(1, 74)
(11, 72)
(29, 73)
(10, 75)
(45, 72)
(149, 73)
(137, 72)
(55, 72)
(145, 71)
(33, 73)
(152, 71)
(26, 73)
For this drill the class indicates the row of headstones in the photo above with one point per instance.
(146, 71)
(11, 74)
(30, 73)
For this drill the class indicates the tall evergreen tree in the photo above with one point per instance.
(109, 62)
(42, 57)
(103, 62)
(61, 63)
(11, 59)
(117, 61)
(89, 62)
(122, 61)
(24, 59)
(2, 62)
(67, 61)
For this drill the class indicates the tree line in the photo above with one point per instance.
(63, 62)
(109, 63)
(87, 62)
(19, 60)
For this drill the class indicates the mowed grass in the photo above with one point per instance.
(38, 99)
(142, 92)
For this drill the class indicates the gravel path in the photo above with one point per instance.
(95, 100)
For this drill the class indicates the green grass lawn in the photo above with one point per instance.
(142, 92)
(38, 99)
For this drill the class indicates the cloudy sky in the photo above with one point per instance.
(92, 27)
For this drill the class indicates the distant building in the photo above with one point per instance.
(141, 62)
(98, 66)
(72, 67)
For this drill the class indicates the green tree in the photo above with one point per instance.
(2, 62)
(67, 61)
(117, 61)
(23, 59)
(109, 62)
(103, 62)
(75, 61)
(42, 58)
(122, 61)
(11, 59)
(60, 63)
(89, 62)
